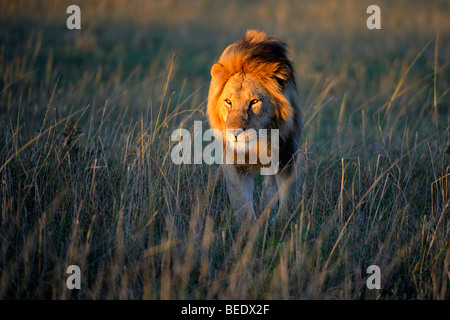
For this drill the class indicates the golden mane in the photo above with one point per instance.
(263, 57)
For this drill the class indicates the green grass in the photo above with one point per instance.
(86, 175)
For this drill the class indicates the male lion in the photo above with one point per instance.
(253, 87)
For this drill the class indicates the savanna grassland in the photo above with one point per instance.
(86, 177)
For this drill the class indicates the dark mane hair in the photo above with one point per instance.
(261, 55)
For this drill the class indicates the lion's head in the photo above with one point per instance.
(252, 88)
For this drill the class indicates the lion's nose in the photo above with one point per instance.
(235, 132)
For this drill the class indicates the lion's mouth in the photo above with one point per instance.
(245, 141)
(241, 146)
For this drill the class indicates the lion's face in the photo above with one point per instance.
(246, 107)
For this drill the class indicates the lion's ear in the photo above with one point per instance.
(282, 75)
(216, 69)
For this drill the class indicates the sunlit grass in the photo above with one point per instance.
(87, 179)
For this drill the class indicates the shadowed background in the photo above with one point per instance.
(85, 119)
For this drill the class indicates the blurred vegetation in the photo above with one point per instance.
(85, 118)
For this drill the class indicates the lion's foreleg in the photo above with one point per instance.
(289, 190)
(240, 190)
(284, 183)
(269, 196)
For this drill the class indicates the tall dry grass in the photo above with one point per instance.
(87, 179)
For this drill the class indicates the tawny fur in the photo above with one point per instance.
(256, 67)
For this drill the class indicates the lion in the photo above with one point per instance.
(252, 88)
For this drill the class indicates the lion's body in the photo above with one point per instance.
(253, 87)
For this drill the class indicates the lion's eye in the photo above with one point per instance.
(254, 101)
(228, 102)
